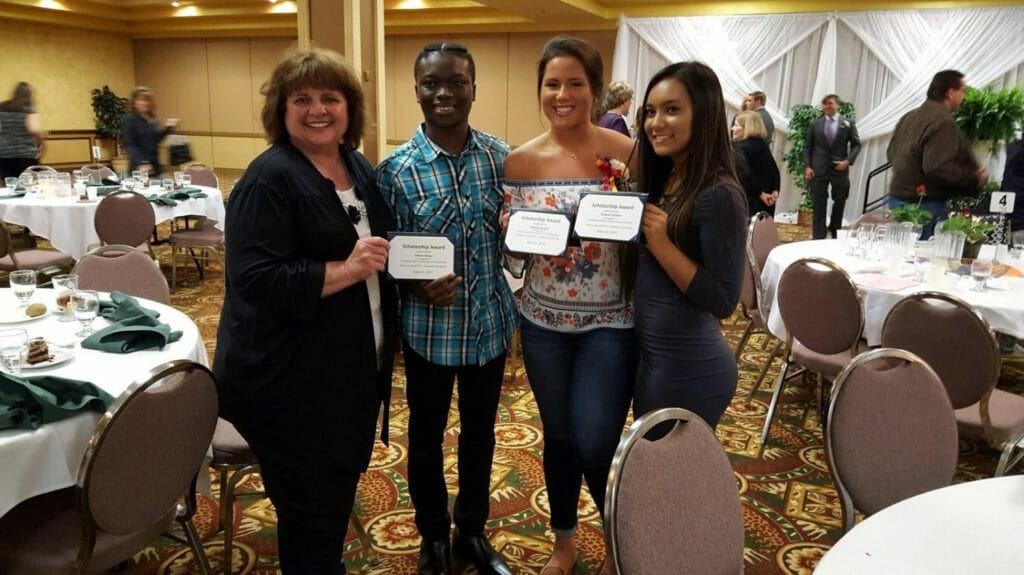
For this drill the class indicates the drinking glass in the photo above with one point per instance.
(168, 184)
(12, 349)
(78, 176)
(865, 235)
(28, 182)
(922, 259)
(11, 183)
(23, 284)
(139, 176)
(186, 180)
(177, 178)
(128, 184)
(85, 304)
(981, 270)
(65, 285)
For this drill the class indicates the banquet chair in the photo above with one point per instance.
(234, 462)
(958, 344)
(891, 432)
(873, 217)
(125, 269)
(1012, 456)
(125, 218)
(96, 172)
(38, 169)
(48, 263)
(203, 245)
(142, 459)
(762, 237)
(824, 318)
(202, 175)
(672, 504)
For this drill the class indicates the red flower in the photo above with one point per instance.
(573, 293)
(592, 251)
(549, 201)
(920, 189)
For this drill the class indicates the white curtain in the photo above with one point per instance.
(882, 62)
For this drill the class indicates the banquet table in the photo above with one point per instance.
(971, 527)
(46, 459)
(68, 222)
(1003, 309)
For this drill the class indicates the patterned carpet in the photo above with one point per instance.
(790, 507)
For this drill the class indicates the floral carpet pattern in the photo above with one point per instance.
(790, 507)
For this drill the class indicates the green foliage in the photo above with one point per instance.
(912, 213)
(800, 117)
(110, 111)
(976, 202)
(990, 115)
(973, 226)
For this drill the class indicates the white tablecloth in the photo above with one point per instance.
(1002, 309)
(46, 459)
(972, 527)
(68, 223)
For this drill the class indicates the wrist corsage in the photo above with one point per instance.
(613, 173)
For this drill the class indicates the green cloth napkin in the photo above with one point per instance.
(171, 198)
(13, 195)
(134, 327)
(28, 402)
(106, 190)
(108, 181)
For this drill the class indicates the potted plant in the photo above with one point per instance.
(973, 227)
(110, 111)
(800, 117)
(991, 116)
(976, 202)
(913, 213)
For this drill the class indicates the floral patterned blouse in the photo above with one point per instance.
(580, 290)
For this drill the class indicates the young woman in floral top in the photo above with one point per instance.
(577, 320)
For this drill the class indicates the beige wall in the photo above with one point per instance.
(212, 87)
(506, 79)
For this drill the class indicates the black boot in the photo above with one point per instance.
(435, 558)
(477, 550)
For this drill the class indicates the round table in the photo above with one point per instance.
(1002, 309)
(68, 223)
(46, 459)
(972, 527)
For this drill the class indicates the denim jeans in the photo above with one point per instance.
(583, 383)
(937, 207)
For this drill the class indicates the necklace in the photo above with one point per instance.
(573, 155)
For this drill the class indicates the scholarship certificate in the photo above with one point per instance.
(610, 217)
(420, 256)
(537, 232)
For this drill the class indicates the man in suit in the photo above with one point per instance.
(831, 148)
(757, 101)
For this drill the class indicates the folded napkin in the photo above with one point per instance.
(28, 402)
(170, 198)
(107, 190)
(134, 327)
(13, 195)
(111, 181)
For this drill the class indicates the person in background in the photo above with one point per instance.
(757, 170)
(757, 102)
(579, 348)
(141, 134)
(691, 263)
(1013, 181)
(447, 180)
(618, 98)
(22, 139)
(928, 148)
(831, 147)
(747, 105)
(305, 346)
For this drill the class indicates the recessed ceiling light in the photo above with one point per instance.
(175, 4)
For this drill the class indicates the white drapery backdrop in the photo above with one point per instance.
(881, 61)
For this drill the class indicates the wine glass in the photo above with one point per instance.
(981, 270)
(865, 235)
(65, 285)
(186, 180)
(23, 284)
(12, 348)
(177, 178)
(922, 259)
(85, 304)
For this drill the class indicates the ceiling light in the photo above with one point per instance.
(175, 4)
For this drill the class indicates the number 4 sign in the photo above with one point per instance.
(1002, 202)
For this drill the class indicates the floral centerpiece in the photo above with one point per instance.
(973, 227)
(614, 173)
(913, 213)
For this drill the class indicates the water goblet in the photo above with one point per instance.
(85, 305)
(186, 180)
(981, 270)
(865, 236)
(65, 285)
(23, 284)
(12, 349)
(922, 259)
(27, 182)
(167, 184)
(11, 184)
(177, 178)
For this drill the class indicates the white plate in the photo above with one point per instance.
(57, 357)
(17, 315)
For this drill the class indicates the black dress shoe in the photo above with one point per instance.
(477, 551)
(435, 557)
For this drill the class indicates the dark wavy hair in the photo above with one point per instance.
(943, 82)
(582, 51)
(314, 68)
(708, 159)
(21, 98)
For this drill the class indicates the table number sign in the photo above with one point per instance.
(1001, 202)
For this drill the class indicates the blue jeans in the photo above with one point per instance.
(583, 383)
(936, 206)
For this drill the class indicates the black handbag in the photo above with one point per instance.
(180, 153)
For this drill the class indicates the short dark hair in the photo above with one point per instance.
(943, 82)
(832, 97)
(313, 68)
(457, 50)
(583, 52)
(21, 98)
(759, 96)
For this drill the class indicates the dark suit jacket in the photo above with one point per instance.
(284, 353)
(820, 155)
(141, 139)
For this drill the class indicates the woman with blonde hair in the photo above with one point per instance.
(142, 134)
(616, 103)
(755, 166)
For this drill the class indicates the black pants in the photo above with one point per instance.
(428, 390)
(819, 202)
(313, 499)
(13, 167)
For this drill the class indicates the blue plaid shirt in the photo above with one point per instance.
(460, 196)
